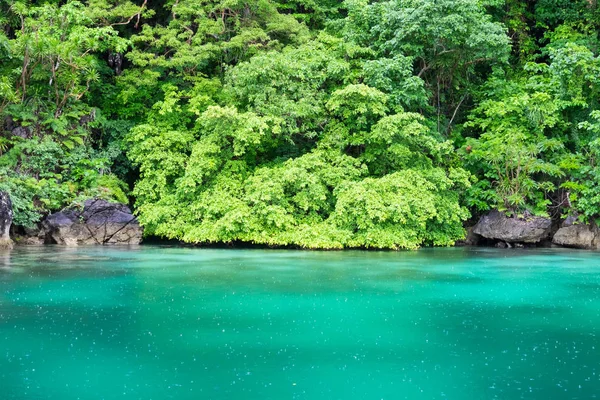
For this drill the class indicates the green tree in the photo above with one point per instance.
(445, 40)
(51, 57)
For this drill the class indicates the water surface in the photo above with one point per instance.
(178, 323)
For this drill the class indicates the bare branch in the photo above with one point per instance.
(454, 114)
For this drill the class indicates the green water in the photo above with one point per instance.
(173, 323)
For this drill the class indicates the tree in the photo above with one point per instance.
(448, 42)
(50, 59)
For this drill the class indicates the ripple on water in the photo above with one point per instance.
(155, 322)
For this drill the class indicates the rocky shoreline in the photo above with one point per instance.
(96, 222)
(99, 222)
(499, 230)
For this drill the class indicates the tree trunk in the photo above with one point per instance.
(6, 217)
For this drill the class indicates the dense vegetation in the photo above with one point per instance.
(317, 123)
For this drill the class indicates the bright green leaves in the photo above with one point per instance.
(239, 132)
(358, 107)
(202, 33)
(278, 155)
(513, 163)
(401, 210)
(227, 135)
(533, 128)
(402, 141)
(226, 186)
(176, 163)
(511, 154)
(319, 200)
(443, 40)
(298, 192)
(394, 76)
(275, 204)
(161, 155)
(353, 110)
(289, 85)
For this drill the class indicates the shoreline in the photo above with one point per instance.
(253, 246)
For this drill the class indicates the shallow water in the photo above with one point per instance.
(177, 323)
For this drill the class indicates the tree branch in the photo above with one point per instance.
(454, 114)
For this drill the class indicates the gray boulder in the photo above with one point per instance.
(579, 236)
(99, 222)
(498, 226)
(6, 217)
(471, 238)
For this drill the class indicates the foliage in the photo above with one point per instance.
(312, 123)
(51, 59)
(444, 40)
(536, 132)
(42, 176)
(584, 186)
(274, 163)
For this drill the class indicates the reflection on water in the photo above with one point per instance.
(162, 323)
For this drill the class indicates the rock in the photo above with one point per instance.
(471, 238)
(579, 236)
(115, 61)
(6, 217)
(21, 132)
(570, 220)
(30, 236)
(99, 222)
(498, 226)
